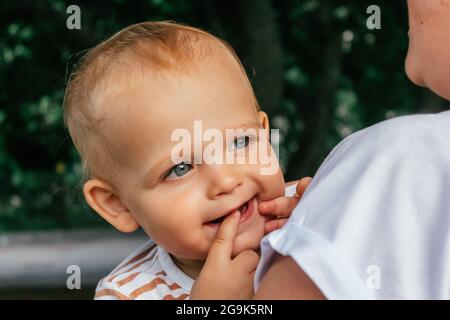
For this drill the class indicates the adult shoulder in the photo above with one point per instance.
(401, 137)
(377, 207)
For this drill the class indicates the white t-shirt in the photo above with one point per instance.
(375, 221)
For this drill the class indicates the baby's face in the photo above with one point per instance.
(180, 206)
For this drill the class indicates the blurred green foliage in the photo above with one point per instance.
(318, 71)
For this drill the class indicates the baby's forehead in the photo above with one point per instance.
(165, 104)
(148, 117)
(145, 100)
(218, 79)
(191, 56)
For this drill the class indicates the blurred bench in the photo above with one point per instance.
(40, 259)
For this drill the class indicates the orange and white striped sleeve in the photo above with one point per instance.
(147, 274)
(109, 290)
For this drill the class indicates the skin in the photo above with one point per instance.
(427, 64)
(173, 210)
(214, 279)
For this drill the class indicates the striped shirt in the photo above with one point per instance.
(147, 274)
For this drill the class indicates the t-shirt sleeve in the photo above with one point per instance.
(374, 223)
(109, 290)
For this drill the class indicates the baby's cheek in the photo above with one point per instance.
(178, 236)
(279, 183)
(272, 186)
(188, 245)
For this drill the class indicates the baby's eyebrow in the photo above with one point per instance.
(156, 169)
(152, 174)
(245, 125)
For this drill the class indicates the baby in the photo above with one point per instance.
(122, 107)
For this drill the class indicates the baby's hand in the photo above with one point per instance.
(222, 276)
(279, 209)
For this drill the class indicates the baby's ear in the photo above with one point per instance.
(101, 198)
(264, 121)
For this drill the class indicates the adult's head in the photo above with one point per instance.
(428, 59)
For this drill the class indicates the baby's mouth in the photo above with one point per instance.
(243, 209)
(246, 210)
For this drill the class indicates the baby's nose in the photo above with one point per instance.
(224, 180)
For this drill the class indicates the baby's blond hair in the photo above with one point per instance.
(163, 45)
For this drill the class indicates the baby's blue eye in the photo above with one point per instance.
(179, 170)
(241, 142)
